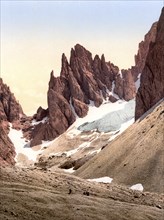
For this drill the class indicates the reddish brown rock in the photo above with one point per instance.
(10, 112)
(143, 50)
(81, 63)
(82, 80)
(112, 99)
(60, 118)
(40, 114)
(7, 150)
(80, 107)
(151, 89)
(129, 89)
(10, 109)
(118, 88)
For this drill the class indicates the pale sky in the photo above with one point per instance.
(34, 34)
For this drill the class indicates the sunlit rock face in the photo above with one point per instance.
(151, 89)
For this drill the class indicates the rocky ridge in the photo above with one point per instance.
(82, 80)
(143, 49)
(152, 79)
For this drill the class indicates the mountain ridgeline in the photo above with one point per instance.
(86, 79)
(83, 79)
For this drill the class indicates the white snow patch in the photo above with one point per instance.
(71, 152)
(46, 143)
(71, 170)
(72, 108)
(105, 179)
(44, 120)
(94, 151)
(21, 146)
(137, 83)
(138, 187)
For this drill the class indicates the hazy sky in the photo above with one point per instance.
(34, 34)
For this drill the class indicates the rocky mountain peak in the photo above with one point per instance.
(82, 80)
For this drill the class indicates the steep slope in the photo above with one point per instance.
(152, 78)
(136, 156)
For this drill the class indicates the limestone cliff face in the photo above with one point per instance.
(152, 79)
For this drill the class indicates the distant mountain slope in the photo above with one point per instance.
(136, 156)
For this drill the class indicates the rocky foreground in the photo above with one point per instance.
(37, 194)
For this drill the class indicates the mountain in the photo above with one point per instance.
(136, 156)
(89, 107)
(152, 78)
(84, 80)
(81, 81)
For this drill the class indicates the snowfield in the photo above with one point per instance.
(21, 146)
(112, 118)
